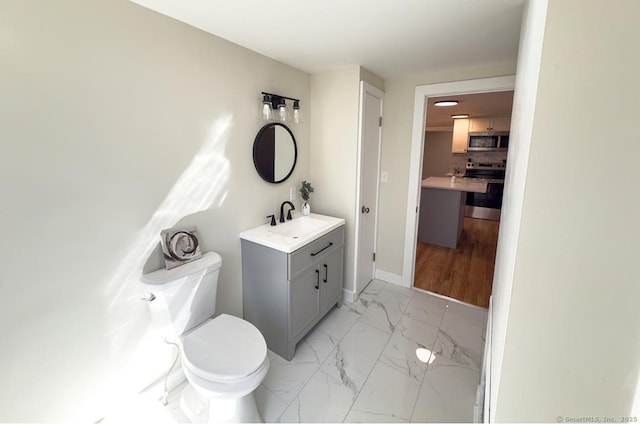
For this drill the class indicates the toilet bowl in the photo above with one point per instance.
(224, 358)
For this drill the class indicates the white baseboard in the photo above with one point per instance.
(348, 296)
(396, 279)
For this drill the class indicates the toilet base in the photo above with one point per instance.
(193, 406)
(242, 410)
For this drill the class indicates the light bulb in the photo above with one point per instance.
(297, 113)
(282, 112)
(266, 113)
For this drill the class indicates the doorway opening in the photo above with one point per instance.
(464, 270)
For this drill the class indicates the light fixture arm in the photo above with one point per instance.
(276, 99)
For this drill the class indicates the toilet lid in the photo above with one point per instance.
(224, 349)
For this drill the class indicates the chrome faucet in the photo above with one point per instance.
(282, 211)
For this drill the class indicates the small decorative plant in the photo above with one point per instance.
(306, 190)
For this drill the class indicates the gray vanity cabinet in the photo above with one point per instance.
(286, 294)
(303, 301)
(331, 272)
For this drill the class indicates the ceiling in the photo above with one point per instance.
(391, 38)
(476, 105)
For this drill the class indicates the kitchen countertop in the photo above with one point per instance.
(461, 184)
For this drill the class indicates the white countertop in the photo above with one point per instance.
(461, 184)
(293, 234)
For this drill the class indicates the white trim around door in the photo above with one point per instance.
(367, 184)
(484, 85)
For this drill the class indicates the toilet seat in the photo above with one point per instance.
(224, 349)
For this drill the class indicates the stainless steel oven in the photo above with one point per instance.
(486, 205)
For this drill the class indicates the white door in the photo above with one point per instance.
(369, 142)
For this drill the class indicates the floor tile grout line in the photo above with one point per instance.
(355, 398)
(322, 363)
(431, 348)
(413, 297)
(364, 382)
(276, 396)
(415, 402)
(378, 361)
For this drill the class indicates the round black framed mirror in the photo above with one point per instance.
(275, 152)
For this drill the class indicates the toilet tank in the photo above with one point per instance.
(183, 297)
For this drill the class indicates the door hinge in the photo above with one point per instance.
(374, 257)
(380, 122)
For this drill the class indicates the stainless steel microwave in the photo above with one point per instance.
(493, 141)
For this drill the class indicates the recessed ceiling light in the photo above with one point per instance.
(460, 116)
(446, 103)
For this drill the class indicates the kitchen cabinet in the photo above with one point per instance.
(460, 135)
(489, 124)
(286, 294)
(442, 208)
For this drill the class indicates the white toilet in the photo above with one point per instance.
(224, 358)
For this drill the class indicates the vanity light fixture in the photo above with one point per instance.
(446, 103)
(456, 116)
(266, 112)
(297, 113)
(274, 107)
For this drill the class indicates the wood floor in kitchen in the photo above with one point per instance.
(464, 273)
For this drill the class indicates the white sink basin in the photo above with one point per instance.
(293, 234)
(298, 228)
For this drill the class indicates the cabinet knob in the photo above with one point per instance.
(317, 279)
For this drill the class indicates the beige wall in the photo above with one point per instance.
(116, 122)
(334, 148)
(571, 345)
(396, 154)
(371, 78)
(334, 137)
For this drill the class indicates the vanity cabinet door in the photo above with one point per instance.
(331, 278)
(303, 301)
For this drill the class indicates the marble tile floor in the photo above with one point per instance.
(359, 363)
